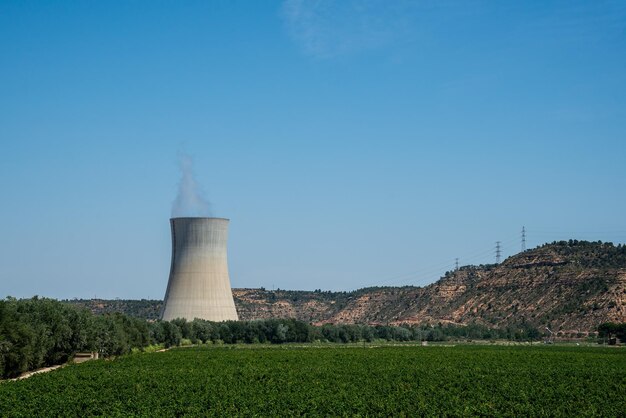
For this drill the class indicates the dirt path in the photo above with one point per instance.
(26, 375)
(34, 372)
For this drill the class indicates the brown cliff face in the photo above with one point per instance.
(570, 286)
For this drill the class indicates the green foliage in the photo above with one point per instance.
(611, 330)
(153, 348)
(332, 381)
(43, 332)
(40, 332)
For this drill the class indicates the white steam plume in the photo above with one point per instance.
(189, 201)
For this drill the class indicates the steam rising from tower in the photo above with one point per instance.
(189, 200)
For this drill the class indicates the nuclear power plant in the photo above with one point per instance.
(199, 285)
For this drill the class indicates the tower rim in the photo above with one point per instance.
(199, 217)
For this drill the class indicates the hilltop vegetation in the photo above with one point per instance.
(332, 381)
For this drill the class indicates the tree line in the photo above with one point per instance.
(41, 332)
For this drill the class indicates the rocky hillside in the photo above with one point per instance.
(569, 286)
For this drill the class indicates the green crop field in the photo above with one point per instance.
(332, 381)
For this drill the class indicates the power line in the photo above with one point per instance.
(485, 254)
(435, 271)
(424, 272)
(523, 239)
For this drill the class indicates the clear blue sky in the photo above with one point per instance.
(351, 143)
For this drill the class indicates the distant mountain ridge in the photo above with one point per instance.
(572, 286)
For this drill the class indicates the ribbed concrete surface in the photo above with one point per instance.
(199, 285)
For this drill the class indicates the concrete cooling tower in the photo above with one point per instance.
(199, 285)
